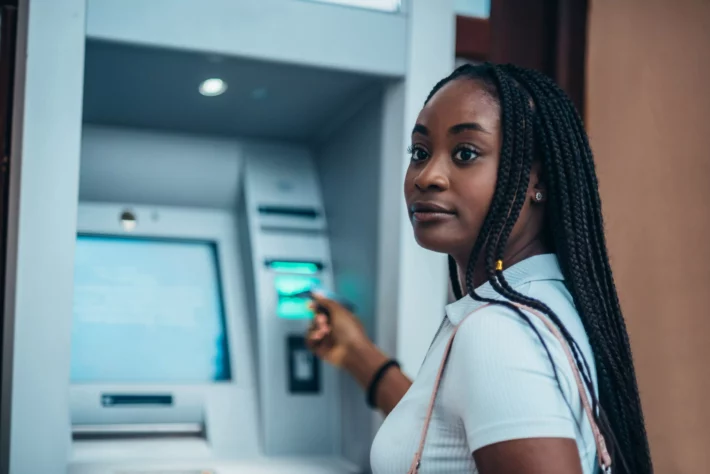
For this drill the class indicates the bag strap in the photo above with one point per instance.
(602, 452)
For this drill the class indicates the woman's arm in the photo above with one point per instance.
(362, 361)
(530, 456)
(517, 417)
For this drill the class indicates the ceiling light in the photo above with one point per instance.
(213, 87)
(382, 5)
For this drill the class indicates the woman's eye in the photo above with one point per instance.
(418, 153)
(465, 154)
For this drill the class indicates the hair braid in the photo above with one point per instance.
(627, 396)
(525, 150)
(512, 294)
(576, 246)
(500, 195)
(566, 173)
(617, 326)
(454, 278)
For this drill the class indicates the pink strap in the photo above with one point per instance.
(602, 452)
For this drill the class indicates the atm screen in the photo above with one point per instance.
(289, 305)
(147, 311)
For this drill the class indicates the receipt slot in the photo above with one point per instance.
(303, 367)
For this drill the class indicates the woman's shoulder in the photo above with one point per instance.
(552, 293)
(501, 380)
(497, 339)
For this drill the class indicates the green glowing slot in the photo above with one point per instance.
(289, 305)
(306, 268)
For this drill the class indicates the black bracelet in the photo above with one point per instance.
(372, 388)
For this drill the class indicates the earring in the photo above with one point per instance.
(538, 196)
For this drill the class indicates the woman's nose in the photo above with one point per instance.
(433, 177)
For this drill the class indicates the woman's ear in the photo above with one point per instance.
(537, 189)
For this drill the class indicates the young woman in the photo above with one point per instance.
(502, 180)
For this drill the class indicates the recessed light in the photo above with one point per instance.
(213, 87)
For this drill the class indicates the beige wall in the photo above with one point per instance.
(648, 115)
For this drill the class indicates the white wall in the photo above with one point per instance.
(391, 204)
(349, 165)
(44, 185)
(292, 31)
(151, 167)
(423, 275)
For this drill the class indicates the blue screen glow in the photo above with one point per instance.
(147, 311)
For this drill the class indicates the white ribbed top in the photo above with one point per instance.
(498, 384)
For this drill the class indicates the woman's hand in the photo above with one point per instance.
(342, 341)
(335, 337)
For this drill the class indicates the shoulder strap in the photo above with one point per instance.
(602, 452)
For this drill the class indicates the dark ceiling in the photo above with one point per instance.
(135, 86)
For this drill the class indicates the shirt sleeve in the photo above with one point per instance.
(504, 383)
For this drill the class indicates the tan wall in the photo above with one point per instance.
(648, 115)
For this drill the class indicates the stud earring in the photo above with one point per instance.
(538, 196)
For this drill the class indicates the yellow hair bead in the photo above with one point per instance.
(499, 265)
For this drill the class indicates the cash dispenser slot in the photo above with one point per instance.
(294, 266)
(138, 431)
(289, 211)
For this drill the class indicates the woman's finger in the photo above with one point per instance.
(313, 341)
(318, 329)
(321, 320)
(321, 300)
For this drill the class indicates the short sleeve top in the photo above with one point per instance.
(498, 385)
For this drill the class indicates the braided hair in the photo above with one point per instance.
(540, 123)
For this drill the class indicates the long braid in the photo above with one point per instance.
(618, 326)
(569, 232)
(518, 190)
(511, 175)
(454, 279)
(561, 145)
(490, 226)
(623, 384)
(550, 130)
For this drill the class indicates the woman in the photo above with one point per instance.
(502, 180)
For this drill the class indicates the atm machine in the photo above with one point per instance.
(188, 332)
(192, 248)
(179, 347)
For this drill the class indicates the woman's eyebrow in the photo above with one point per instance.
(462, 127)
(419, 128)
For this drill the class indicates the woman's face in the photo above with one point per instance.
(452, 174)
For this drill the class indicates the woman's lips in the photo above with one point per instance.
(431, 216)
(430, 212)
